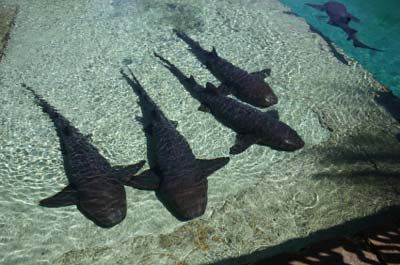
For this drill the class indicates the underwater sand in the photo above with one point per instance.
(71, 53)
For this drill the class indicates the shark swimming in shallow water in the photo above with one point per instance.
(340, 17)
(248, 87)
(94, 185)
(251, 125)
(181, 177)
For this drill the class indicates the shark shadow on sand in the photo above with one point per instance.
(251, 125)
(340, 17)
(248, 87)
(180, 178)
(362, 158)
(94, 185)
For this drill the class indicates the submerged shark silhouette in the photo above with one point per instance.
(181, 177)
(251, 125)
(248, 87)
(340, 17)
(94, 185)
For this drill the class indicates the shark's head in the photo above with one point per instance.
(106, 207)
(185, 202)
(260, 94)
(283, 138)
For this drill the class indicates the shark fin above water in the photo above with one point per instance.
(66, 197)
(242, 142)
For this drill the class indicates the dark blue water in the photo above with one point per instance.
(379, 27)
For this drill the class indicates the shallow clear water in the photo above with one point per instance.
(71, 53)
(379, 27)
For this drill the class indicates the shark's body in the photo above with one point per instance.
(94, 185)
(340, 17)
(251, 125)
(181, 177)
(248, 87)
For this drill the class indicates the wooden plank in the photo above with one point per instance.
(386, 244)
(342, 251)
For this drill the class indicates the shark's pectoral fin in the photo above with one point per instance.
(356, 19)
(272, 114)
(209, 166)
(262, 74)
(139, 119)
(147, 180)
(242, 142)
(316, 6)
(358, 44)
(225, 89)
(130, 170)
(67, 197)
(203, 108)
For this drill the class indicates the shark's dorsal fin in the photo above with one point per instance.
(66, 197)
(191, 79)
(211, 88)
(214, 51)
(262, 74)
(175, 123)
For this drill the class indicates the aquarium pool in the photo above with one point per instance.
(378, 27)
(71, 53)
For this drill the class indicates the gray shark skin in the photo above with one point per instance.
(182, 178)
(251, 125)
(94, 186)
(340, 17)
(248, 87)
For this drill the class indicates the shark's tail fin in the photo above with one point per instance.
(316, 6)
(195, 47)
(136, 86)
(46, 107)
(145, 99)
(175, 71)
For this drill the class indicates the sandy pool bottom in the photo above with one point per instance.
(71, 53)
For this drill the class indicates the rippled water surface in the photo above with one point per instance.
(71, 53)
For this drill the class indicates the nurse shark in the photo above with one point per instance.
(248, 87)
(340, 17)
(251, 125)
(94, 185)
(181, 178)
